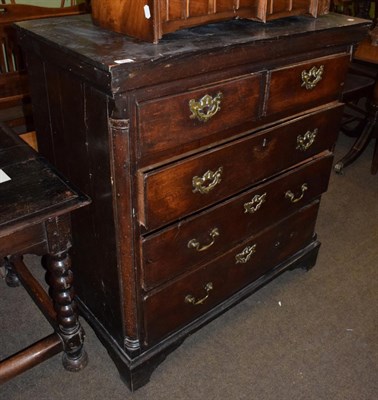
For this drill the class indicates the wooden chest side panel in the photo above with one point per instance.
(72, 126)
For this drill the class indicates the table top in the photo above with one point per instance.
(30, 189)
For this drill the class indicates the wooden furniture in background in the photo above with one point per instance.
(35, 206)
(358, 89)
(151, 20)
(15, 105)
(366, 9)
(205, 156)
(368, 53)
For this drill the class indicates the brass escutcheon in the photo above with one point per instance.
(190, 299)
(291, 196)
(304, 142)
(245, 255)
(312, 77)
(199, 181)
(195, 244)
(206, 107)
(253, 205)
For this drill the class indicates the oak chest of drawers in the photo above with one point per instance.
(205, 157)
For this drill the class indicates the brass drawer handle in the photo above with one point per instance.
(312, 77)
(195, 244)
(245, 255)
(190, 299)
(291, 196)
(199, 181)
(305, 142)
(206, 107)
(253, 205)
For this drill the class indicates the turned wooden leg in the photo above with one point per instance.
(69, 329)
(365, 137)
(357, 149)
(11, 278)
(62, 293)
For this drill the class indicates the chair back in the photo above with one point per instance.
(13, 77)
(10, 58)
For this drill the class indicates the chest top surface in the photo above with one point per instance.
(118, 55)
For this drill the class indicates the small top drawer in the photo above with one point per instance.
(176, 190)
(306, 84)
(172, 121)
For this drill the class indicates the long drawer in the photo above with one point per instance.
(192, 295)
(202, 237)
(174, 191)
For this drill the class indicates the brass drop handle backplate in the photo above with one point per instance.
(255, 204)
(190, 299)
(307, 140)
(195, 244)
(291, 196)
(206, 107)
(312, 77)
(210, 178)
(245, 255)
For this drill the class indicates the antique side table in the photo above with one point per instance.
(35, 206)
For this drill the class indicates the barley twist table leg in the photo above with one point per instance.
(62, 293)
(59, 266)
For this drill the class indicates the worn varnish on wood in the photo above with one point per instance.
(35, 206)
(205, 156)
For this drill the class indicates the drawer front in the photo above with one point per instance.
(173, 121)
(306, 84)
(172, 192)
(172, 307)
(201, 238)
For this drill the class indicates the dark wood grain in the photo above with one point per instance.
(119, 127)
(168, 193)
(232, 222)
(161, 17)
(35, 205)
(227, 276)
(210, 48)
